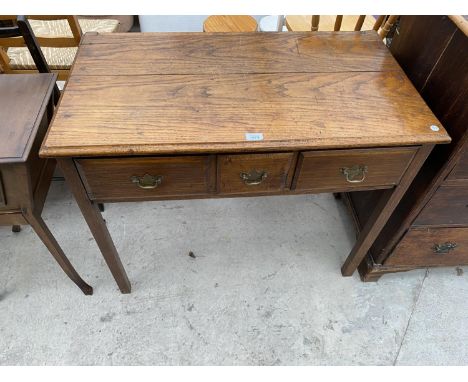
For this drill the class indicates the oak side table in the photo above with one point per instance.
(157, 116)
(26, 107)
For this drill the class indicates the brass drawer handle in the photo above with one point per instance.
(253, 177)
(355, 174)
(444, 248)
(147, 181)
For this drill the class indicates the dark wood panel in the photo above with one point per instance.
(431, 247)
(351, 169)
(2, 193)
(23, 100)
(255, 173)
(15, 187)
(446, 92)
(460, 171)
(419, 43)
(448, 206)
(223, 53)
(36, 165)
(124, 178)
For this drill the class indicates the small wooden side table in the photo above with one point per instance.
(26, 108)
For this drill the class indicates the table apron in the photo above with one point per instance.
(124, 179)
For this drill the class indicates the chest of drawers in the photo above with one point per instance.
(430, 225)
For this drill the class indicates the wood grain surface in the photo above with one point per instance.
(448, 206)
(119, 115)
(234, 53)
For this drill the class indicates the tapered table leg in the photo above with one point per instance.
(96, 224)
(48, 239)
(382, 213)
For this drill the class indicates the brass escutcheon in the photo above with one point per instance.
(147, 181)
(253, 177)
(444, 248)
(354, 174)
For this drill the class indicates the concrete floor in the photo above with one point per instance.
(264, 289)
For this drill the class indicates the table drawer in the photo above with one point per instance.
(423, 247)
(346, 170)
(448, 206)
(254, 173)
(147, 177)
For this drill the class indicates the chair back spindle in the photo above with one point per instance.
(387, 26)
(338, 21)
(315, 23)
(359, 23)
(381, 24)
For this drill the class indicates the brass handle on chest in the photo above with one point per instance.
(444, 248)
(147, 181)
(253, 177)
(354, 174)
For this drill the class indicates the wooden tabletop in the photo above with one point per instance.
(23, 100)
(176, 93)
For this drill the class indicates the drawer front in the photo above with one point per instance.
(254, 173)
(13, 187)
(460, 171)
(448, 206)
(431, 247)
(346, 170)
(147, 177)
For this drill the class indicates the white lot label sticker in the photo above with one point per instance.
(254, 136)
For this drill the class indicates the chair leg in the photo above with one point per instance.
(48, 239)
(16, 228)
(101, 207)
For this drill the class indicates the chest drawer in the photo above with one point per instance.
(448, 206)
(460, 171)
(143, 178)
(423, 247)
(347, 170)
(254, 173)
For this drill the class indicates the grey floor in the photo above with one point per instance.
(264, 289)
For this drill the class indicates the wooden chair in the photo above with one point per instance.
(382, 24)
(230, 24)
(58, 37)
(23, 30)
